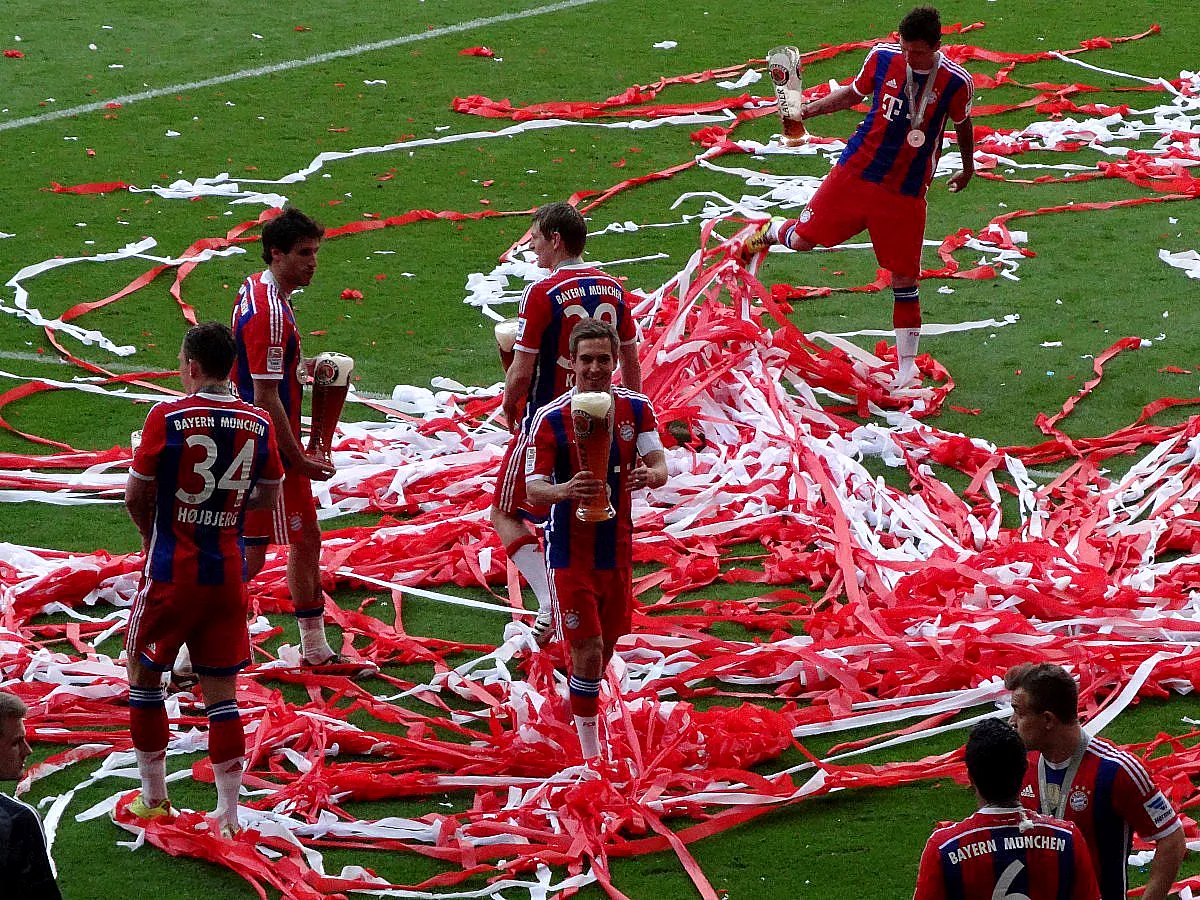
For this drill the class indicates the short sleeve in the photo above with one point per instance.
(541, 451)
(154, 437)
(264, 337)
(533, 319)
(1140, 803)
(627, 329)
(930, 885)
(864, 82)
(961, 102)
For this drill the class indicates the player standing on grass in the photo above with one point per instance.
(880, 181)
(1089, 781)
(204, 459)
(267, 375)
(1003, 852)
(541, 371)
(592, 564)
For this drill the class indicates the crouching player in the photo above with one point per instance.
(592, 563)
(203, 461)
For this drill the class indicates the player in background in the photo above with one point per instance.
(592, 564)
(880, 181)
(541, 371)
(267, 374)
(1003, 852)
(25, 867)
(1089, 781)
(204, 459)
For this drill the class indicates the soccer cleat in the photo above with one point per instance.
(229, 831)
(764, 236)
(543, 628)
(336, 664)
(140, 808)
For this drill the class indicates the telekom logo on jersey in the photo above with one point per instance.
(892, 104)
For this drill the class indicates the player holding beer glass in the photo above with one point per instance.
(538, 369)
(591, 448)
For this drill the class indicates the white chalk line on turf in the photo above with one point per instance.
(287, 65)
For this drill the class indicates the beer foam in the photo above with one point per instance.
(506, 334)
(595, 403)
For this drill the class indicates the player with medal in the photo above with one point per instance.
(591, 448)
(880, 181)
(1087, 780)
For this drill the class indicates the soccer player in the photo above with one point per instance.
(203, 460)
(1003, 852)
(1091, 782)
(541, 371)
(267, 375)
(25, 869)
(592, 564)
(880, 181)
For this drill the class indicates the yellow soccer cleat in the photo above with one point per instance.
(764, 236)
(140, 808)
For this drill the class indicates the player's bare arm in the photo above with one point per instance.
(264, 496)
(651, 471)
(581, 487)
(139, 502)
(631, 366)
(1168, 856)
(964, 131)
(266, 396)
(516, 387)
(836, 100)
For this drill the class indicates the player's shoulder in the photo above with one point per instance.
(1111, 756)
(18, 813)
(884, 51)
(555, 407)
(631, 395)
(956, 72)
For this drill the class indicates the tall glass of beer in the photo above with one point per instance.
(786, 71)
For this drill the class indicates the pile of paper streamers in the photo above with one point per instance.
(895, 608)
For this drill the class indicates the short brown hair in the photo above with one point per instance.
(593, 329)
(922, 24)
(12, 706)
(563, 219)
(1050, 688)
(282, 232)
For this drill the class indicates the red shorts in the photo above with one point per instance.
(510, 483)
(210, 620)
(281, 523)
(844, 205)
(592, 602)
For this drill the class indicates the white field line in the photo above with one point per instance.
(287, 65)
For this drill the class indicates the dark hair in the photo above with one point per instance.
(211, 345)
(922, 24)
(593, 329)
(1050, 688)
(282, 232)
(564, 219)
(996, 760)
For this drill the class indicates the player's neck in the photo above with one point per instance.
(281, 283)
(211, 387)
(1064, 745)
(568, 261)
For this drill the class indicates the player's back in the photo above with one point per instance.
(1000, 853)
(206, 452)
(551, 309)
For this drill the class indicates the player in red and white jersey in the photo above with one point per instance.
(1087, 780)
(267, 374)
(880, 181)
(203, 460)
(592, 564)
(1003, 852)
(541, 370)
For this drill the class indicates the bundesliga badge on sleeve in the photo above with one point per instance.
(591, 421)
(786, 71)
(331, 382)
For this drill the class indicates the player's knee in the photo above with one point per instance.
(587, 657)
(307, 539)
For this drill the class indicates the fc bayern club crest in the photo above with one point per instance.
(627, 433)
(571, 620)
(1078, 800)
